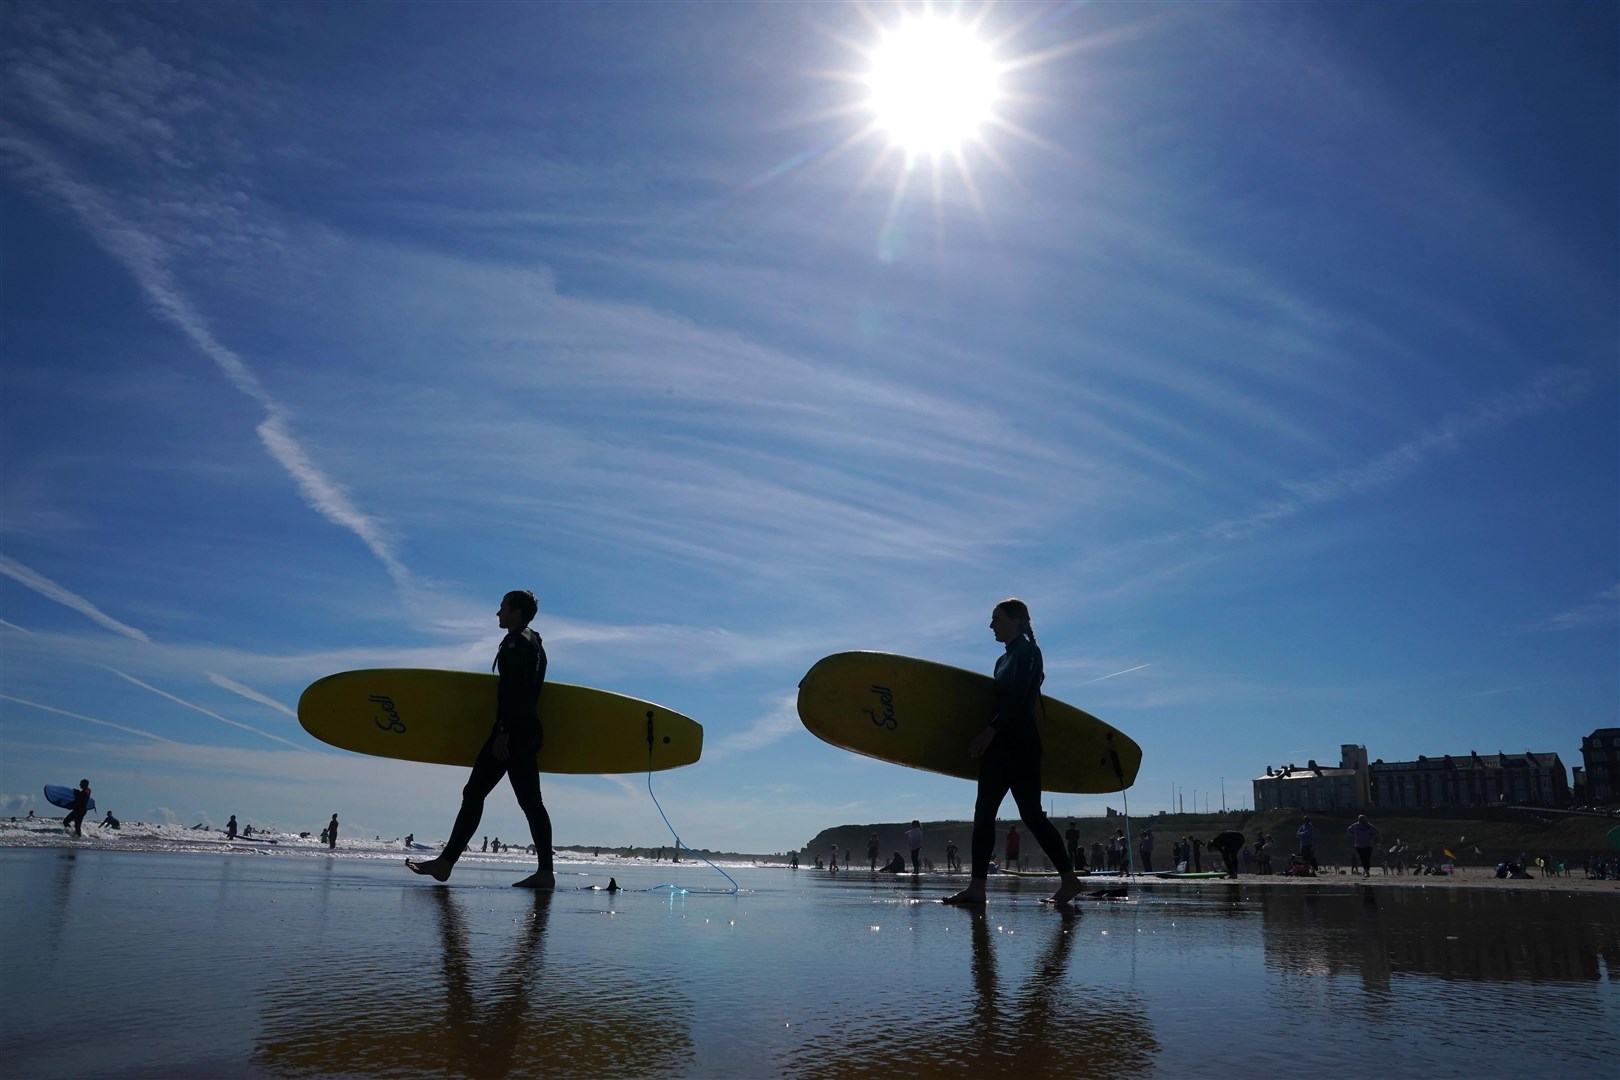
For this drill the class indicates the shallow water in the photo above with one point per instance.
(127, 964)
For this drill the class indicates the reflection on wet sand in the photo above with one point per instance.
(507, 1012)
(1475, 935)
(1048, 1027)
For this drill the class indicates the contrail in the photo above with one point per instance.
(52, 591)
(88, 719)
(208, 712)
(147, 259)
(1127, 671)
(248, 692)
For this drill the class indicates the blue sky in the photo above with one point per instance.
(1268, 351)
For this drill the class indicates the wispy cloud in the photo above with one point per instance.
(780, 721)
(1550, 390)
(1602, 610)
(51, 590)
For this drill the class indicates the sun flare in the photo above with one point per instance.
(933, 85)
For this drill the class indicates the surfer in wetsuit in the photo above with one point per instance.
(1009, 753)
(1229, 843)
(76, 812)
(510, 749)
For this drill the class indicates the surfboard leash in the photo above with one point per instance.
(678, 842)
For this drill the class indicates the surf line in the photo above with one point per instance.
(678, 843)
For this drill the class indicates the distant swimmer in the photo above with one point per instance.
(230, 828)
(331, 834)
(75, 814)
(1009, 753)
(613, 885)
(510, 749)
(110, 822)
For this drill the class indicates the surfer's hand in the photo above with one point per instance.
(981, 741)
(500, 749)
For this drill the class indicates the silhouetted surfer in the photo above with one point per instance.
(75, 814)
(511, 747)
(1009, 753)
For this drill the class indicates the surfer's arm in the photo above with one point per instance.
(981, 741)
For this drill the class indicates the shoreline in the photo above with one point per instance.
(1466, 877)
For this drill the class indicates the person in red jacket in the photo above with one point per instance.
(510, 749)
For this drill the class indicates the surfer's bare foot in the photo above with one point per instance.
(540, 879)
(437, 869)
(1067, 890)
(971, 896)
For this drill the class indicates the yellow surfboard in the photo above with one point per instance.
(922, 714)
(444, 717)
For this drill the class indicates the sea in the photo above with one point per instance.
(181, 964)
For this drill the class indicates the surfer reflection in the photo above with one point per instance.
(483, 1037)
(1051, 1028)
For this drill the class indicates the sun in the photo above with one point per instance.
(934, 85)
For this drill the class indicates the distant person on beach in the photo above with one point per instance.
(1307, 843)
(914, 837)
(331, 834)
(872, 848)
(953, 861)
(1071, 844)
(486, 846)
(510, 749)
(895, 865)
(76, 812)
(1363, 835)
(1144, 848)
(1229, 843)
(1009, 753)
(230, 828)
(1014, 842)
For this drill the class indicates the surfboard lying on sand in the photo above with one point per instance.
(57, 795)
(922, 714)
(444, 717)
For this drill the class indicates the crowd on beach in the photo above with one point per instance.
(1238, 854)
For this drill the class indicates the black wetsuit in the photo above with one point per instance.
(1013, 760)
(75, 816)
(1229, 844)
(521, 662)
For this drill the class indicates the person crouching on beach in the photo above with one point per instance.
(510, 749)
(1009, 753)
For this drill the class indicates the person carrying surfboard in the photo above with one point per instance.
(510, 749)
(1009, 753)
(81, 803)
